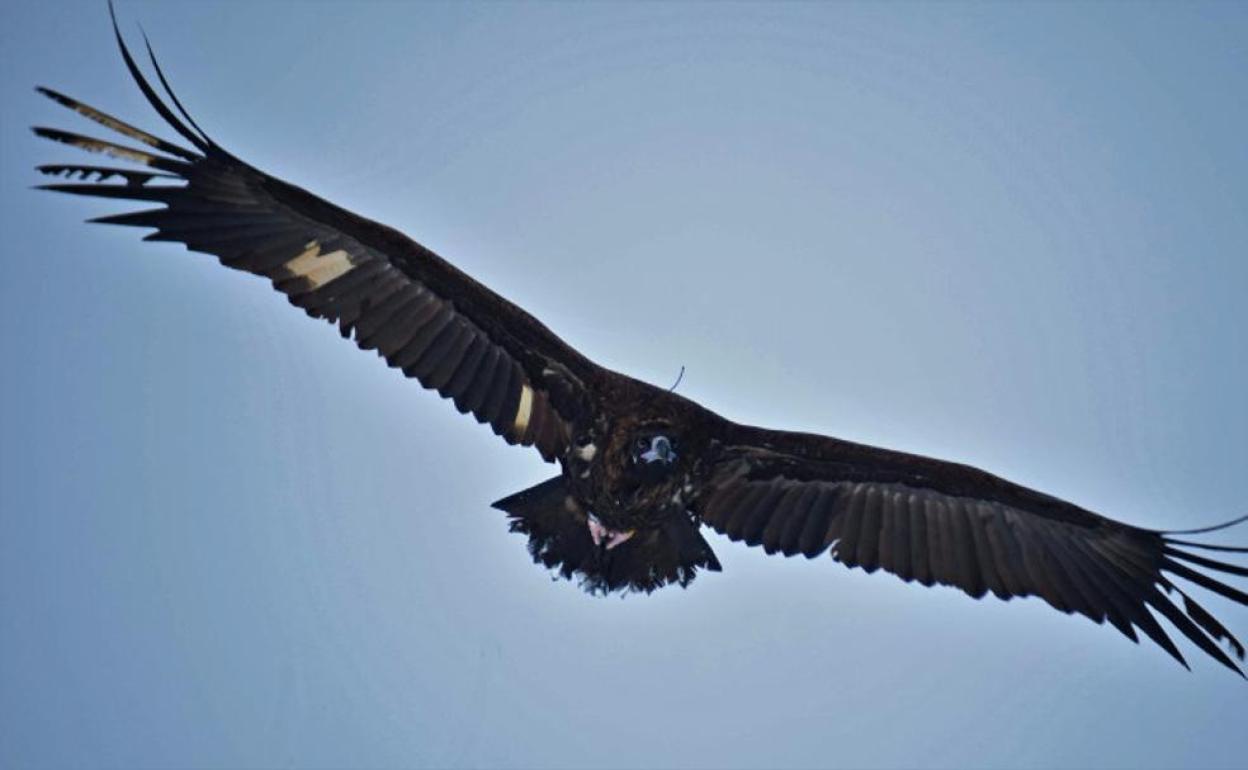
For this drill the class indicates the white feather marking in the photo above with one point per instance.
(525, 411)
(319, 269)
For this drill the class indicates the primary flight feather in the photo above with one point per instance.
(642, 469)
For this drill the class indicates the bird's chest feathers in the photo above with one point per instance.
(631, 476)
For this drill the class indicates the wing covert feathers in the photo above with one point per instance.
(385, 291)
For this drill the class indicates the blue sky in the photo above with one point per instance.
(1012, 236)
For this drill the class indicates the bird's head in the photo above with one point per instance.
(650, 448)
(654, 455)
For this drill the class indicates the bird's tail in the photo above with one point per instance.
(558, 530)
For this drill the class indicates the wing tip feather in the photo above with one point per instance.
(1203, 530)
(201, 142)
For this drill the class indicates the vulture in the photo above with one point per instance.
(642, 470)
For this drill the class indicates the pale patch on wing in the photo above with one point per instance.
(319, 269)
(524, 411)
(107, 120)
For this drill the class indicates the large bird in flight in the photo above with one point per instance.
(642, 469)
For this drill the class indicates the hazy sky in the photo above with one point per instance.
(1013, 236)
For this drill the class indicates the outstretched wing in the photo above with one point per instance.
(939, 522)
(386, 291)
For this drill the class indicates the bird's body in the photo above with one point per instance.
(642, 469)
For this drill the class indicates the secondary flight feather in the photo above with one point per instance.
(642, 470)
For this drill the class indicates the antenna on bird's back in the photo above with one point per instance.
(679, 377)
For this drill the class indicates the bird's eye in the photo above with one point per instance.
(642, 442)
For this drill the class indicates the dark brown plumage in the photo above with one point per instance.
(641, 468)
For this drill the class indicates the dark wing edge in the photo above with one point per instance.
(938, 522)
(389, 293)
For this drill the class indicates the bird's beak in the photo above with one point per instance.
(660, 450)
